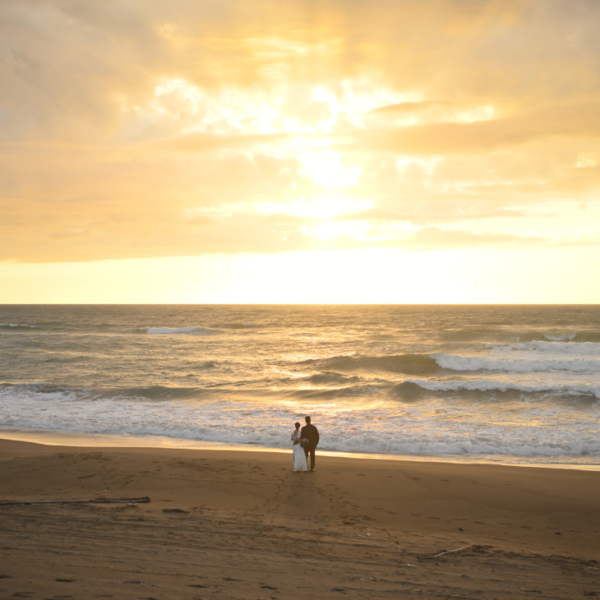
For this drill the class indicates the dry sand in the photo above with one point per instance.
(356, 528)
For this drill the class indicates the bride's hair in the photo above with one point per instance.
(297, 425)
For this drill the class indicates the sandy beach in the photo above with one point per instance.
(356, 528)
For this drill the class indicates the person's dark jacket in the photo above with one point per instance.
(310, 433)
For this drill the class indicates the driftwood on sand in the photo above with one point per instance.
(449, 552)
(100, 500)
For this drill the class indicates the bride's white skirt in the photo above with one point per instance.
(299, 458)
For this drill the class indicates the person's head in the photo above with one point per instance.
(307, 419)
(297, 425)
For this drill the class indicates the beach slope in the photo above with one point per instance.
(356, 528)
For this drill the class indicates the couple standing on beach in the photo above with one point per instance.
(305, 442)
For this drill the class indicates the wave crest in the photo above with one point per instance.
(579, 348)
(501, 335)
(409, 364)
(17, 326)
(517, 365)
(331, 377)
(486, 386)
(177, 331)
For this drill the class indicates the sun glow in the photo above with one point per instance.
(330, 230)
(326, 168)
(275, 129)
(322, 207)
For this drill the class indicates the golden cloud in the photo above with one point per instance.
(164, 128)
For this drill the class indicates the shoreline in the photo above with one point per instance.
(92, 440)
(248, 527)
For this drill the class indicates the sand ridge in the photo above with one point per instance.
(355, 528)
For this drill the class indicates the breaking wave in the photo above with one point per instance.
(17, 326)
(423, 364)
(580, 348)
(517, 365)
(500, 335)
(330, 377)
(353, 391)
(376, 427)
(46, 392)
(418, 388)
(409, 364)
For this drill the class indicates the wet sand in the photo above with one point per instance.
(356, 528)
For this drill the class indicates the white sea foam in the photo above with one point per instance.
(517, 365)
(491, 385)
(428, 429)
(558, 337)
(24, 325)
(558, 348)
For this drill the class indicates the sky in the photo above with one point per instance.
(312, 151)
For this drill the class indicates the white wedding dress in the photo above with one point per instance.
(298, 457)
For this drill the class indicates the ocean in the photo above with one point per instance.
(505, 384)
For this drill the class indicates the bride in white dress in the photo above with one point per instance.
(298, 456)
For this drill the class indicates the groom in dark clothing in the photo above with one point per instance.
(309, 432)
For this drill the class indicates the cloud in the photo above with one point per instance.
(284, 218)
(409, 107)
(70, 68)
(145, 128)
(425, 217)
(574, 120)
(435, 237)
